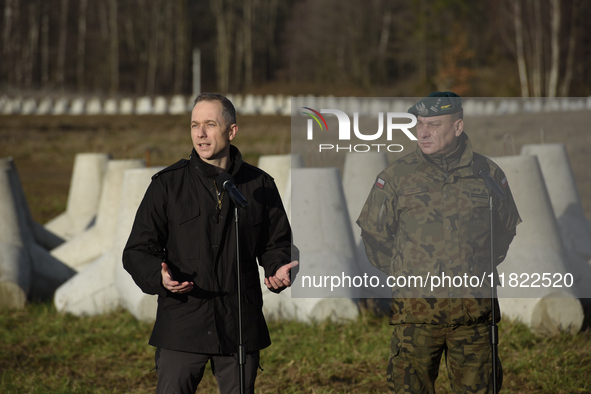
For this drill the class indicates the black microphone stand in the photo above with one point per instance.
(494, 329)
(241, 349)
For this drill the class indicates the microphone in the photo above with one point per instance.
(226, 181)
(481, 168)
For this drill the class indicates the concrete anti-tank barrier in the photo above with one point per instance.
(536, 249)
(83, 197)
(87, 246)
(104, 285)
(359, 176)
(27, 270)
(322, 232)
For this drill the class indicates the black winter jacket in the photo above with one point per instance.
(177, 222)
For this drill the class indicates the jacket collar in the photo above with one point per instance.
(210, 171)
(459, 158)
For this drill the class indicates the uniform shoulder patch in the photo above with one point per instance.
(179, 164)
(380, 183)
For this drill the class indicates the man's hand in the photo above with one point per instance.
(172, 285)
(282, 277)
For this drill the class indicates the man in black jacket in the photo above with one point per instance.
(183, 247)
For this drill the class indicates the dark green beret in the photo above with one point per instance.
(437, 103)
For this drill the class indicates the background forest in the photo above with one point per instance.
(321, 47)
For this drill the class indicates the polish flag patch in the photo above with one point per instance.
(504, 182)
(380, 183)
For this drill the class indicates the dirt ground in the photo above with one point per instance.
(44, 147)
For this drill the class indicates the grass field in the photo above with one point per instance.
(42, 351)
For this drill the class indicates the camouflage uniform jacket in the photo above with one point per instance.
(429, 216)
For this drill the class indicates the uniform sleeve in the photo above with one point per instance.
(507, 219)
(276, 246)
(378, 222)
(145, 249)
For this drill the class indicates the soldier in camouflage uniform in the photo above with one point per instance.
(428, 215)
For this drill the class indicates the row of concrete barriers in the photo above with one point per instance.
(85, 265)
(273, 105)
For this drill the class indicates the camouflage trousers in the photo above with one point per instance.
(416, 350)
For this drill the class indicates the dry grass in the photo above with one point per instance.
(43, 351)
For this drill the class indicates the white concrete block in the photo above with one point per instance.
(126, 106)
(489, 108)
(279, 167)
(400, 105)
(249, 106)
(537, 249)
(269, 106)
(25, 267)
(15, 262)
(322, 231)
(178, 105)
(111, 106)
(143, 106)
(96, 289)
(87, 246)
(12, 106)
(83, 198)
(237, 100)
(359, 176)
(160, 106)
(77, 106)
(29, 106)
(44, 107)
(285, 109)
(142, 306)
(94, 106)
(574, 227)
(60, 107)
(90, 292)
(32, 232)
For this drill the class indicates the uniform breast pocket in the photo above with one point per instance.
(184, 233)
(476, 221)
(417, 207)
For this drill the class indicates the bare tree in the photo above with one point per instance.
(153, 53)
(61, 50)
(45, 44)
(224, 17)
(6, 48)
(570, 58)
(538, 54)
(33, 43)
(555, 45)
(114, 46)
(181, 45)
(519, 49)
(81, 48)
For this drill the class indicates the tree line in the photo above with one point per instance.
(373, 47)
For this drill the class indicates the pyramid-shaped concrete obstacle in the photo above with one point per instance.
(83, 198)
(142, 306)
(574, 227)
(537, 249)
(104, 285)
(359, 176)
(279, 167)
(279, 306)
(322, 232)
(87, 246)
(26, 268)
